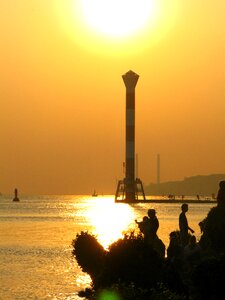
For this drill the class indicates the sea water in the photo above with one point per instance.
(36, 261)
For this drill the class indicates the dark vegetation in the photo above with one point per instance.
(132, 269)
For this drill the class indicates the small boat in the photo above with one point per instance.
(94, 194)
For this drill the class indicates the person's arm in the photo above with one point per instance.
(191, 230)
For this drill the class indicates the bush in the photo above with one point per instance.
(128, 261)
(208, 278)
(89, 254)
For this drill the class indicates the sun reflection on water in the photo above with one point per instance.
(83, 280)
(109, 220)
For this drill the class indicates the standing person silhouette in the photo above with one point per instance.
(183, 225)
(221, 194)
(153, 225)
(151, 233)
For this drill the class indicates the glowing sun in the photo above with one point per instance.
(118, 18)
(116, 27)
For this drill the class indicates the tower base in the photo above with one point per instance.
(139, 194)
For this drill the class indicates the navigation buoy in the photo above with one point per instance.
(16, 196)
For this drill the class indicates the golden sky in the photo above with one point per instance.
(62, 98)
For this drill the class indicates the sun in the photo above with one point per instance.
(116, 27)
(118, 18)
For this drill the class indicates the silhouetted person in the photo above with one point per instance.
(151, 234)
(143, 225)
(183, 225)
(153, 224)
(204, 241)
(221, 193)
(174, 250)
(192, 251)
(149, 226)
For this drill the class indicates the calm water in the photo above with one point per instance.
(36, 235)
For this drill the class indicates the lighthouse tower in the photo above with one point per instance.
(130, 187)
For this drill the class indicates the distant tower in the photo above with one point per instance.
(129, 186)
(158, 168)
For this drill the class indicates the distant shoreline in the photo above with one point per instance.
(171, 201)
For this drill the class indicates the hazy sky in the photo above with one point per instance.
(62, 98)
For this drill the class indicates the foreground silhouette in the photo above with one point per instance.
(130, 265)
(135, 269)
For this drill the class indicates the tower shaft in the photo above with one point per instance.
(129, 186)
(130, 79)
(130, 144)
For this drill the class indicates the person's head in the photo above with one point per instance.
(145, 219)
(151, 213)
(173, 235)
(222, 185)
(184, 207)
